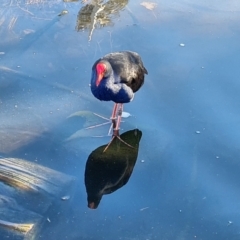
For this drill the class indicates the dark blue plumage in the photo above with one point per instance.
(111, 89)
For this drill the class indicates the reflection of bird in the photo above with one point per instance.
(107, 172)
(116, 77)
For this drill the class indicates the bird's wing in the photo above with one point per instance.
(128, 67)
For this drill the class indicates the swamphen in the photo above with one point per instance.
(116, 77)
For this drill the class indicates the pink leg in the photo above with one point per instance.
(114, 111)
(113, 118)
(119, 116)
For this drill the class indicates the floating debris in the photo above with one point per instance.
(142, 161)
(182, 45)
(230, 222)
(149, 5)
(28, 31)
(142, 209)
(2, 53)
(64, 198)
(63, 12)
(197, 132)
(126, 114)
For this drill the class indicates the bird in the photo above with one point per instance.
(116, 77)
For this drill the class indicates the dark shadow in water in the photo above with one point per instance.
(108, 171)
(98, 14)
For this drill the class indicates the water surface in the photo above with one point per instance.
(186, 179)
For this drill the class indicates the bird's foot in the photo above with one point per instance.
(112, 121)
(116, 135)
(101, 124)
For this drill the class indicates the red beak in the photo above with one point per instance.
(100, 68)
(99, 78)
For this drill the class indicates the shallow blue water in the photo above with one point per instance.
(188, 111)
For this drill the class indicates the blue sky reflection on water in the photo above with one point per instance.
(187, 111)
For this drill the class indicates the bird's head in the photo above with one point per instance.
(102, 71)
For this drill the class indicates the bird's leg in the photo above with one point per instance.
(119, 116)
(118, 110)
(113, 118)
(116, 116)
(115, 107)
